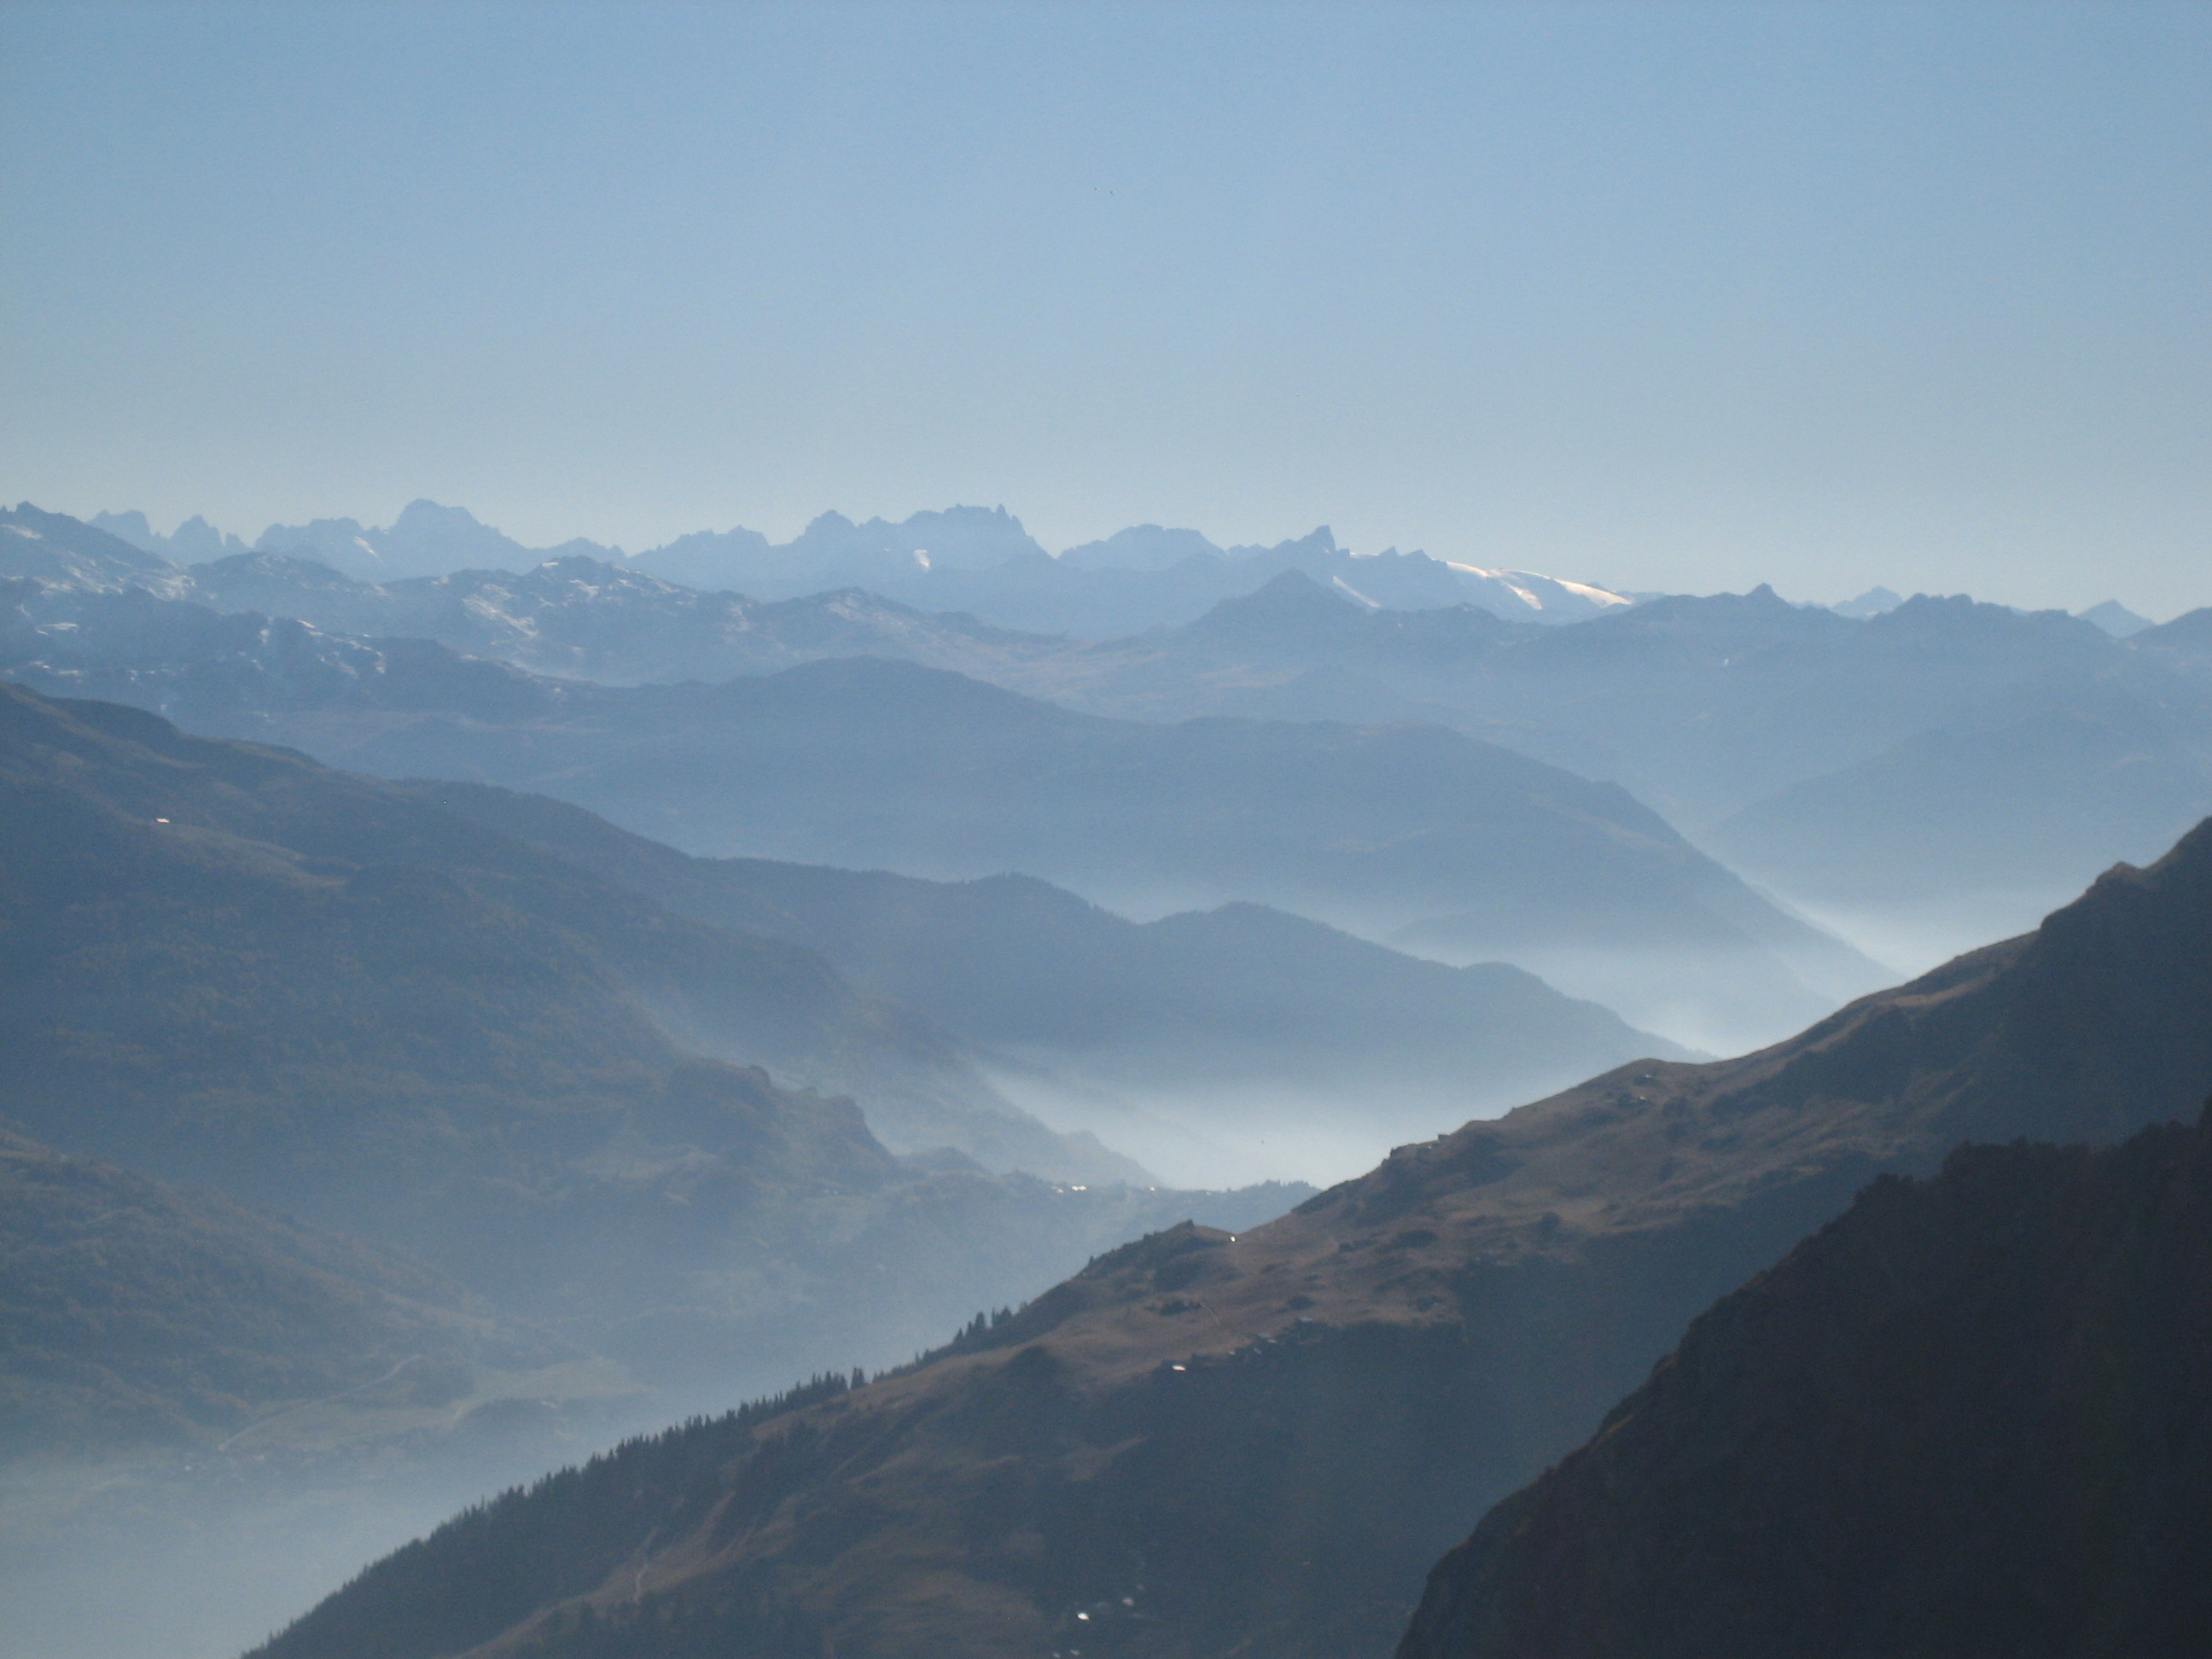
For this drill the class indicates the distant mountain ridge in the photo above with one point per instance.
(1409, 835)
(1240, 1021)
(315, 992)
(963, 558)
(1467, 851)
(1845, 763)
(1937, 745)
(1205, 1444)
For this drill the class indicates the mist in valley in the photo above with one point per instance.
(852, 831)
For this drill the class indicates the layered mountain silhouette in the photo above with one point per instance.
(1242, 1023)
(230, 966)
(1700, 705)
(1208, 1443)
(1969, 1417)
(1863, 756)
(2034, 783)
(1249, 1011)
(173, 810)
(970, 559)
(1937, 745)
(1416, 835)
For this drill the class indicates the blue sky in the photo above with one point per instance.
(1667, 296)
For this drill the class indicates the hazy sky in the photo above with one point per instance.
(1681, 297)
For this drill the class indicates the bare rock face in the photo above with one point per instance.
(1969, 1417)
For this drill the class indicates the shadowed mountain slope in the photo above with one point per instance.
(1973, 1417)
(133, 1313)
(341, 851)
(1414, 834)
(1226, 1020)
(1211, 1445)
(1463, 849)
(229, 965)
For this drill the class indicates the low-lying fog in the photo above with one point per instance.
(1917, 935)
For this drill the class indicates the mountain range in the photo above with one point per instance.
(232, 968)
(1936, 749)
(1879, 754)
(964, 558)
(1209, 1443)
(1412, 834)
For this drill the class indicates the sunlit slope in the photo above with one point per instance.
(1207, 1446)
(1967, 1418)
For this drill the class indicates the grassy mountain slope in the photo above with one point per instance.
(1208, 1445)
(1968, 1418)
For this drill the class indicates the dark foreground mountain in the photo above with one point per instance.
(229, 966)
(1207, 1446)
(1972, 1417)
(1191, 1040)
